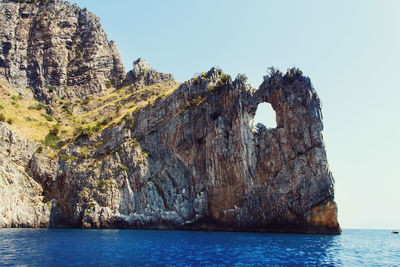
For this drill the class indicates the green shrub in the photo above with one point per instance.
(53, 141)
(289, 77)
(242, 78)
(59, 144)
(101, 185)
(118, 150)
(2, 117)
(144, 153)
(299, 72)
(104, 184)
(108, 84)
(1, 107)
(37, 107)
(98, 144)
(195, 102)
(97, 127)
(66, 109)
(28, 119)
(68, 157)
(83, 153)
(106, 120)
(134, 143)
(10, 121)
(39, 149)
(129, 121)
(82, 131)
(225, 78)
(47, 117)
(54, 131)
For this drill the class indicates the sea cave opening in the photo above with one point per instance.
(265, 118)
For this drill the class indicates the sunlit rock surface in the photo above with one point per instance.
(191, 159)
(56, 49)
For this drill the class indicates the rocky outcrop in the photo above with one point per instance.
(20, 196)
(193, 161)
(143, 75)
(57, 49)
(189, 158)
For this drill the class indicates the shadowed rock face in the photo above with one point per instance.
(56, 47)
(193, 161)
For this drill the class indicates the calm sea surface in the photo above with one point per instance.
(70, 247)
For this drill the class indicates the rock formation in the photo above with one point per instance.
(57, 49)
(142, 75)
(21, 197)
(189, 159)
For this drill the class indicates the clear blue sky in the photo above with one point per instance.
(349, 49)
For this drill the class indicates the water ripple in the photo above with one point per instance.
(73, 247)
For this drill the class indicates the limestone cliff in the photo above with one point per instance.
(21, 197)
(57, 49)
(173, 157)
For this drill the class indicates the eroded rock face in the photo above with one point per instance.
(57, 49)
(193, 161)
(20, 196)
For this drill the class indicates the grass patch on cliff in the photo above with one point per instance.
(117, 104)
(28, 118)
(27, 115)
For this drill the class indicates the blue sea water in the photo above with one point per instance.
(73, 247)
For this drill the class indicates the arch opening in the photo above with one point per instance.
(265, 118)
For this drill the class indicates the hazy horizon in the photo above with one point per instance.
(350, 50)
